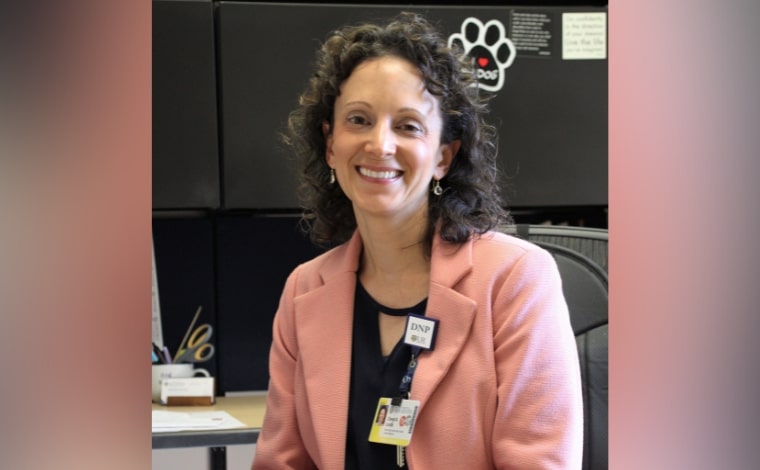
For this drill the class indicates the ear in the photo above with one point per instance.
(448, 152)
(328, 141)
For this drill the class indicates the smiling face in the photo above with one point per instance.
(385, 145)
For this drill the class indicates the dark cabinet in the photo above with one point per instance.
(550, 110)
(263, 63)
(185, 134)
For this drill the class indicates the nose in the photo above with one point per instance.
(381, 141)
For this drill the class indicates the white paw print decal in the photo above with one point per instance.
(490, 49)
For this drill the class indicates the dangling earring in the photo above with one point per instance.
(437, 189)
(332, 175)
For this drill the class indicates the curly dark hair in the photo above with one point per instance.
(471, 202)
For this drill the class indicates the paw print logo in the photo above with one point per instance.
(488, 47)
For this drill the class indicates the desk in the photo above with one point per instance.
(248, 409)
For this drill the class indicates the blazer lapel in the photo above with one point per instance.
(454, 311)
(324, 325)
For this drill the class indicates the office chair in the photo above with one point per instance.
(581, 256)
(590, 242)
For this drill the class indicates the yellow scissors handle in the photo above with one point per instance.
(203, 353)
(200, 335)
(198, 347)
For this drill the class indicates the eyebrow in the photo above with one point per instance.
(404, 109)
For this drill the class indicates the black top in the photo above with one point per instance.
(372, 377)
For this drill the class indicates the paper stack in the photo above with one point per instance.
(173, 421)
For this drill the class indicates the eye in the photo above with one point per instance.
(412, 127)
(357, 120)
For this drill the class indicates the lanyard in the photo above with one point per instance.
(406, 380)
(420, 334)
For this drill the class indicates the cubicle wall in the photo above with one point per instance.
(186, 276)
(254, 256)
(225, 76)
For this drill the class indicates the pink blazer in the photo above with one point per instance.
(501, 389)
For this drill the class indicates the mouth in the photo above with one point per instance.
(380, 175)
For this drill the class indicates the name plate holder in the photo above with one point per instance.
(188, 391)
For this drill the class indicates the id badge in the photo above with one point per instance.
(394, 424)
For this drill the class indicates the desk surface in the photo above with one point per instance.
(247, 409)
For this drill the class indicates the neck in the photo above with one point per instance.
(395, 267)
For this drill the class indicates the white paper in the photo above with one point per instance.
(584, 36)
(173, 421)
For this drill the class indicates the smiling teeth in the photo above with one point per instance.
(379, 174)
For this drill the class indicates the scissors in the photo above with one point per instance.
(198, 347)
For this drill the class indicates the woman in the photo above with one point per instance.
(399, 176)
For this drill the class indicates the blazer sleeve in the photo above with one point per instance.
(279, 445)
(539, 420)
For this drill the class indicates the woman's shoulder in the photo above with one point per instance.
(500, 243)
(498, 259)
(502, 251)
(490, 254)
(485, 249)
